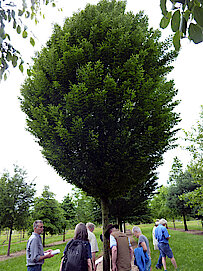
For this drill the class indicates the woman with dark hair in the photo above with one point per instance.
(77, 254)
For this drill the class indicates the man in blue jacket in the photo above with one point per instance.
(162, 236)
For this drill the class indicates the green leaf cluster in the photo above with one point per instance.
(195, 167)
(181, 183)
(48, 209)
(186, 20)
(133, 207)
(16, 198)
(98, 102)
(15, 13)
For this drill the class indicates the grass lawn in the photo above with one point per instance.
(187, 249)
(22, 245)
(192, 225)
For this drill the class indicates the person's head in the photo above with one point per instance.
(110, 228)
(81, 232)
(136, 231)
(156, 222)
(90, 226)
(163, 222)
(38, 226)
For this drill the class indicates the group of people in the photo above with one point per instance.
(84, 241)
(79, 253)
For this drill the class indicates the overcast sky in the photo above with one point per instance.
(17, 146)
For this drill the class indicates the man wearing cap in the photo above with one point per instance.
(155, 243)
(162, 236)
(121, 250)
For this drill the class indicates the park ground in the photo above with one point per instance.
(187, 248)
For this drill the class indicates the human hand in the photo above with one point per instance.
(48, 254)
(49, 250)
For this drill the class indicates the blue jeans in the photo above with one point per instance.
(37, 267)
(148, 265)
(159, 263)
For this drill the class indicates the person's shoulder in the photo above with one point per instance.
(35, 236)
(143, 237)
(69, 242)
(90, 234)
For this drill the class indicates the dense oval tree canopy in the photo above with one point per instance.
(98, 101)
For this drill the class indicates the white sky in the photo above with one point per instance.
(17, 146)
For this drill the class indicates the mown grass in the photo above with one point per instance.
(187, 249)
(192, 225)
(22, 245)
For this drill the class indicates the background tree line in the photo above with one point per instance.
(183, 196)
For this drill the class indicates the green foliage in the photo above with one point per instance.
(158, 204)
(69, 211)
(48, 209)
(16, 197)
(181, 183)
(186, 20)
(16, 14)
(133, 206)
(86, 208)
(195, 138)
(97, 100)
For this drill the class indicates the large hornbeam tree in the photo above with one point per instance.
(98, 102)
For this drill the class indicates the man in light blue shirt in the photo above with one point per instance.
(162, 236)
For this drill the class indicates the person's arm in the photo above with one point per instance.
(131, 253)
(89, 264)
(144, 246)
(60, 268)
(46, 256)
(114, 258)
(166, 234)
(34, 248)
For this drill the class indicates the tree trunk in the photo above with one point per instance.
(174, 223)
(7, 231)
(64, 234)
(185, 223)
(9, 242)
(120, 224)
(124, 229)
(106, 247)
(43, 242)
